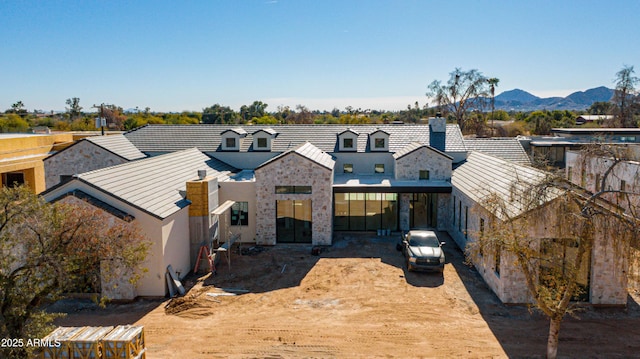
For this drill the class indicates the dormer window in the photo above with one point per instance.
(231, 139)
(262, 139)
(379, 141)
(347, 140)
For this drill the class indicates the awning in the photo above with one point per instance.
(223, 207)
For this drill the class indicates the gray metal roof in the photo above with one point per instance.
(308, 151)
(506, 148)
(169, 138)
(415, 146)
(154, 184)
(482, 175)
(119, 145)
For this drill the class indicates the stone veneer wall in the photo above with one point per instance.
(608, 280)
(294, 170)
(408, 167)
(81, 157)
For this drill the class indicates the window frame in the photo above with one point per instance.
(377, 166)
(240, 207)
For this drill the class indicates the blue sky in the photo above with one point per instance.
(187, 55)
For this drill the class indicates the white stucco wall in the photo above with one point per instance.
(244, 191)
(172, 242)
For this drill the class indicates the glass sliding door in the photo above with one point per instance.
(365, 211)
(293, 221)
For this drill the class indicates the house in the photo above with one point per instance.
(298, 184)
(588, 173)
(602, 276)
(153, 194)
(599, 119)
(21, 157)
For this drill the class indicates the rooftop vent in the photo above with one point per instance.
(202, 174)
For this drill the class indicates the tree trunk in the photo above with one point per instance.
(552, 340)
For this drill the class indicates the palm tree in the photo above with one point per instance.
(493, 82)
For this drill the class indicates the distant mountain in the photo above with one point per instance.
(519, 100)
(516, 95)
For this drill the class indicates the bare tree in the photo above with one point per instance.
(548, 229)
(625, 97)
(464, 91)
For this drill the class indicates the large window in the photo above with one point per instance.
(240, 214)
(365, 211)
(293, 221)
(12, 179)
(558, 257)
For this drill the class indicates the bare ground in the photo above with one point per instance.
(355, 300)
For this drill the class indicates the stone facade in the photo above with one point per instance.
(408, 167)
(83, 156)
(294, 169)
(608, 281)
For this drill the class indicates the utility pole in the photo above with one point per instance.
(101, 119)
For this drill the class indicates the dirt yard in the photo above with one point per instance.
(354, 300)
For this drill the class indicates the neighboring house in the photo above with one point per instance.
(507, 148)
(88, 154)
(153, 193)
(21, 157)
(603, 277)
(552, 150)
(599, 119)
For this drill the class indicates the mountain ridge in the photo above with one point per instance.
(520, 100)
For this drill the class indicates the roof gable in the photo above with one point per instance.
(118, 145)
(414, 146)
(308, 151)
(482, 175)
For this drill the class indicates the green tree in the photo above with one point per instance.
(46, 249)
(74, 108)
(13, 123)
(625, 97)
(463, 92)
(600, 108)
(256, 109)
(219, 114)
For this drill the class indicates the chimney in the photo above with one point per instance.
(202, 174)
(438, 132)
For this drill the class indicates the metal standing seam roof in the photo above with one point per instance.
(207, 138)
(154, 184)
(119, 145)
(482, 174)
(308, 151)
(509, 149)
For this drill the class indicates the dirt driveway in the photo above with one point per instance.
(355, 300)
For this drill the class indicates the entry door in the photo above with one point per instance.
(293, 221)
